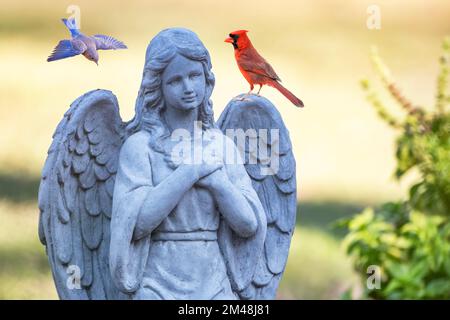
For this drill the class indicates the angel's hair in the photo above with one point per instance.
(150, 101)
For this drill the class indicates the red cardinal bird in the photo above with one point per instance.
(254, 68)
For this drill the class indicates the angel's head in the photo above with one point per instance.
(183, 84)
(177, 73)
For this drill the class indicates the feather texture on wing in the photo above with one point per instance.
(107, 42)
(75, 196)
(66, 49)
(274, 180)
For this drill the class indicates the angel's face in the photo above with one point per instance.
(183, 83)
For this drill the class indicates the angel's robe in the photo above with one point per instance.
(192, 253)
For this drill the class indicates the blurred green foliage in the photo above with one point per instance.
(410, 240)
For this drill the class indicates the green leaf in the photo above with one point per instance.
(438, 288)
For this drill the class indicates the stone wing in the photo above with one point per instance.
(75, 196)
(271, 166)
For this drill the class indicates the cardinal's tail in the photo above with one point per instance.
(296, 101)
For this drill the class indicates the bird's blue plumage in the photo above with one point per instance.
(64, 49)
(72, 26)
(82, 44)
(107, 42)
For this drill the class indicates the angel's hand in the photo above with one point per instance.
(203, 163)
(214, 180)
(198, 171)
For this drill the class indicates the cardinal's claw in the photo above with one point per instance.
(243, 98)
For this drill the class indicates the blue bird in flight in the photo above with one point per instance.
(82, 44)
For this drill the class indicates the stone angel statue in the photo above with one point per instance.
(126, 211)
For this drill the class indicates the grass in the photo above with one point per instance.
(322, 216)
(24, 270)
(317, 267)
(18, 187)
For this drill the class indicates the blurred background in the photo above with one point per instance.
(320, 49)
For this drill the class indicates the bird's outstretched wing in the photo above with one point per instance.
(103, 42)
(274, 183)
(75, 196)
(66, 49)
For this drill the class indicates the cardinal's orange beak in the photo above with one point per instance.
(229, 40)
